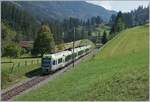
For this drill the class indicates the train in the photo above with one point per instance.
(53, 62)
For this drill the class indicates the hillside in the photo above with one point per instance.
(118, 72)
(60, 10)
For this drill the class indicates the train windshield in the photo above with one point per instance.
(46, 62)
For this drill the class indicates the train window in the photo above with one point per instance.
(54, 62)
(75, 54)
(86, 49)
(60, 60)
(80, 52)
(68, 58)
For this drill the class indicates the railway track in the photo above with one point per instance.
(18, 89)
(29, 84)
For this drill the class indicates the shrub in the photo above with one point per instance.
(12, 50)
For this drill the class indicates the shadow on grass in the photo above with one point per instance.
(33, 73)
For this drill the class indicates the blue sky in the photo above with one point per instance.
(124, 6)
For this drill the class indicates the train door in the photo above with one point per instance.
(63, 61)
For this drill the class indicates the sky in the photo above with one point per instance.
(124, 6)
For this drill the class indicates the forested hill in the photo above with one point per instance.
(19, 20)
(60, 10)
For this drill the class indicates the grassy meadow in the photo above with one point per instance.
(119, 71)
(15, 70)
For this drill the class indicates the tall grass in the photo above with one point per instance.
(118, 72)
(14, 70)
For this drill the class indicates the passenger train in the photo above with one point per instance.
(52, 62)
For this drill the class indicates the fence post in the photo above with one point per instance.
(12, 68)
(25, 63)
(10, 75)
(19, 64)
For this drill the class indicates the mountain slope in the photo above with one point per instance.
(118, 72)
(46, 10)
(19, 20)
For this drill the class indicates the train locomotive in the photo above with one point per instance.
(53, 62)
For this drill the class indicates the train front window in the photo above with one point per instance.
(46, 62)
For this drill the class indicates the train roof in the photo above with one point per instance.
(65, 53)
(81, 48)
(57, 55)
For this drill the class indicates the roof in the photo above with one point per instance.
(58, 55)
(26, 44)
(65, 53)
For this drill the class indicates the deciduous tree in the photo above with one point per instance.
(44, 43)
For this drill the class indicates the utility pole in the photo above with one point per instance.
(73, 45)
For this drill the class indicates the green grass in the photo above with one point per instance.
(20, 68)
(8, 79)
(25, 65)
(129, 41)
(118, 72)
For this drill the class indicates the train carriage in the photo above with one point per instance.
(52, 62)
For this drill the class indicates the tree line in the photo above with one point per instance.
(135, 17)
(52, 34)
(18, 25)
(21, 21)
(122, 21)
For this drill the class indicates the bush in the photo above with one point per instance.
(23, 51)
(34, 52)
(12, 50)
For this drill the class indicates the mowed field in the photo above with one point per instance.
(119, 71)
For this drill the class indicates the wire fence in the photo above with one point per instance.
(11, 67)
(17, 69)
(23, 64)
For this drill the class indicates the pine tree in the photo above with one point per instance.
(44, 43)
(119, 24)
(112, 20)
(104, 38)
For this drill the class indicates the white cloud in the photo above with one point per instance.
(124, 6)
(105, 4)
